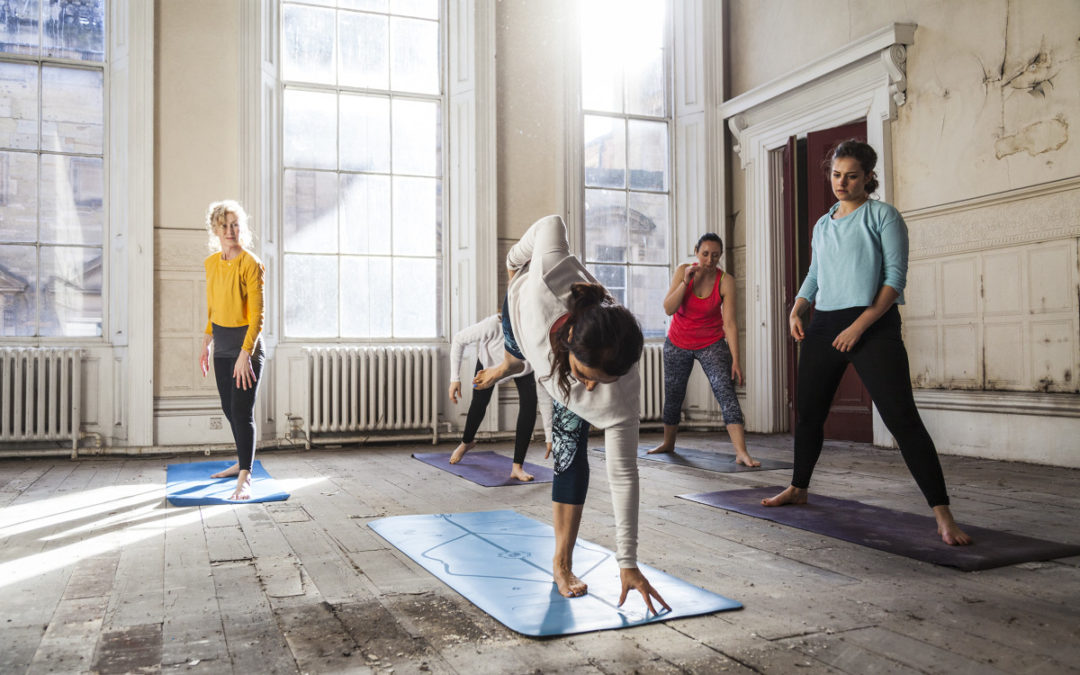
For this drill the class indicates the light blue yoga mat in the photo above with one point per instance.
(191, 485)
(501, 562)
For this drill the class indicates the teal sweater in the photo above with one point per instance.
(854, 256)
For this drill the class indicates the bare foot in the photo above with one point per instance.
(950, 532)
(745, 459)
(242, 492)
(791, 495)
(569, 585)
(489, 377)
(519, 473)
(227, 473)
(662, 448)
(460, 451)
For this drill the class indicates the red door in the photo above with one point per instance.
(850, 417)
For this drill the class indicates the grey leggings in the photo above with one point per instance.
(715, 360)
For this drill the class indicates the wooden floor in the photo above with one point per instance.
(97, 574)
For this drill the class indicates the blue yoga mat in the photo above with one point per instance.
(501, 562)
(191, 485)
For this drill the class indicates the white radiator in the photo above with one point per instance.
(40, 394)
(372, 388)
(651, 367)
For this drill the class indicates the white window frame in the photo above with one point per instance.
(469, 184)
(575, 179)
(107, 151)
(278, 280)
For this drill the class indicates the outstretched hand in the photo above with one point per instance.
(632, 578)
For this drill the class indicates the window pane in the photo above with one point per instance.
(370, 5)
(18, 197)
(415, 298)
(414, 48)
(70, 291)
(416, 215)
(648, 154)
(18, 276)
(416, 137)
(75, 29)
(72, 110)
(311, 295)
(310, 129)
(365, 133)
(365, 50)
(648, 228)
(605, 226)
(601, 77)
(365, 214)
(307, 53)
(19, 29)
(648, 285)
(18, 105)
(645, 93)
(309, 212)
(426, 9)
(72, 197)
(613, 277)
(605, 152)
(366, 299)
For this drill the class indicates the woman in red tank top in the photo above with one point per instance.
(701, 304)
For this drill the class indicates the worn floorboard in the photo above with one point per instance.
(100, 574)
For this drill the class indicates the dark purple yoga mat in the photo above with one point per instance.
(898, 532)
(708, 460)
(484, 468)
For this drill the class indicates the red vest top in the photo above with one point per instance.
(698, 322)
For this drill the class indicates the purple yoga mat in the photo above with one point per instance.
(484, 468)
(898, 532)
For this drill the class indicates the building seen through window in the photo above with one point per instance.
(52, 167)
(626, 128)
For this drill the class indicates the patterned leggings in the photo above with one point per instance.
(569, 440)
(715, 360)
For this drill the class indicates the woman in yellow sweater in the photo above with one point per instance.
(234, 302)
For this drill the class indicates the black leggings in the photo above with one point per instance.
(881, 361)
(526, 419)
(239, 405)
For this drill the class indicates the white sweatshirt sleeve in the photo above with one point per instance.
(469, 335)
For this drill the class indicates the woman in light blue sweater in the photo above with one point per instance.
(856, 279)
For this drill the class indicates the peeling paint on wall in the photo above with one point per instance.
(1037, 138)
(1035, 76)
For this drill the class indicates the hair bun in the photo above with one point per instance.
(586, 295)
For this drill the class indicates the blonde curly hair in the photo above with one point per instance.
(215, 218)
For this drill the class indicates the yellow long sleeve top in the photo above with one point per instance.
(234, 294)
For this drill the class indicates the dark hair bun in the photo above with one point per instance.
(586, 295)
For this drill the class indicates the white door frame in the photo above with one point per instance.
(863, 80)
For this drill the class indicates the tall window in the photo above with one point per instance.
(362, 157)
(626, 124)
(52, 167)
